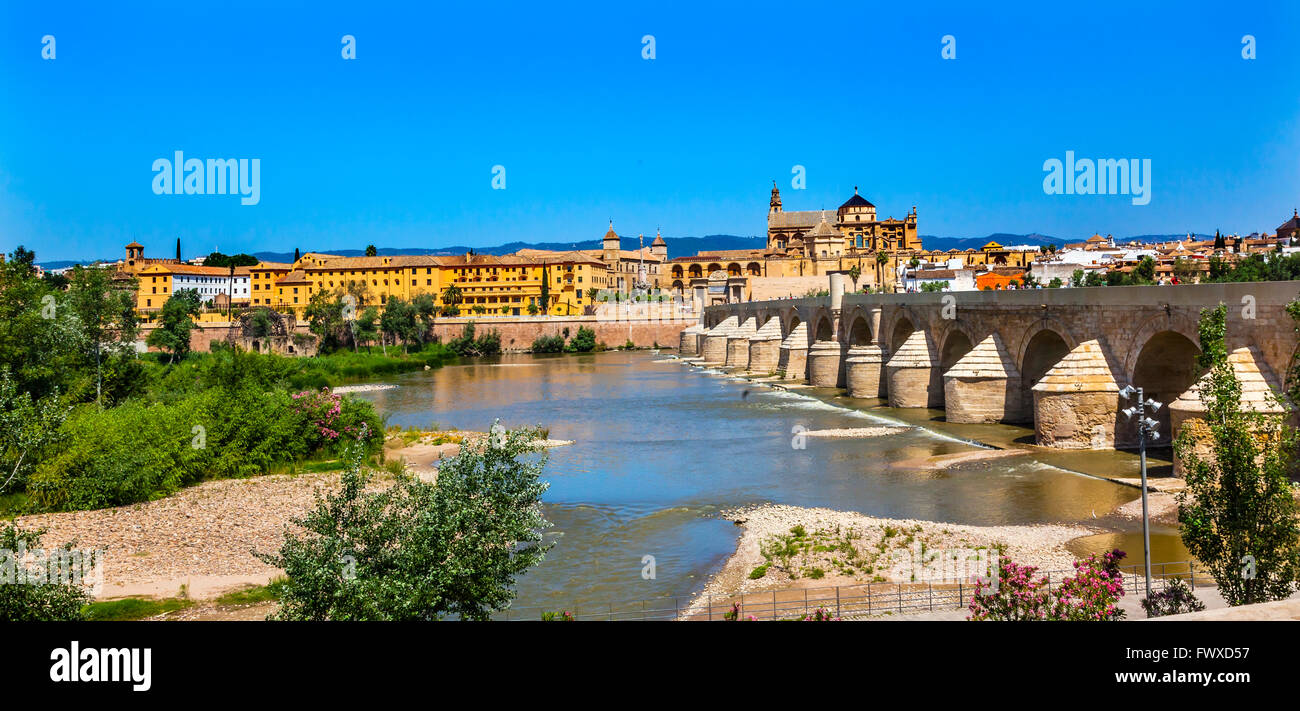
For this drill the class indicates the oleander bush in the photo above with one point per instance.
(1092, 593)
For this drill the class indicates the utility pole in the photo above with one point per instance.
(1146, 426)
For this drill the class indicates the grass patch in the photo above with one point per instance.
(253, 594)
(134, 608)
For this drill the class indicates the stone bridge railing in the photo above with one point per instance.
(1052, 357)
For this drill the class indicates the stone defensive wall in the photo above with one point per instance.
(1053, 358)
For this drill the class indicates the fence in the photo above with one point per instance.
(849, 601)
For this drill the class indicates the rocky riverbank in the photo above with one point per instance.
(785, 547)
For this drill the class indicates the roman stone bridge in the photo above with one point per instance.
(1055, 358)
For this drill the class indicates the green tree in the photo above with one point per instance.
(107, 318)
(371, 251)
(426, 308)
(324, 314)
(398, 321)
(175, 324)
(40, 599)
(217, 259)
(1076, 279)
(27, 427)
(417, 551)
(855, 273)
(367, 328)
(1238, 512)
(546, 290)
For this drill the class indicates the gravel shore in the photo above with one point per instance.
(881, 548)
(201, 537)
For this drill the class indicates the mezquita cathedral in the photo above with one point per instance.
(824, 233)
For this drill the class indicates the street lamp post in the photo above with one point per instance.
(1146, 426)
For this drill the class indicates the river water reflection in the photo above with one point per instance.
(660, 448)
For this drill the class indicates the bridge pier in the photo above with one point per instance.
(913, 373)
(864, 371)
(824, 360)
(1076, 404)
(738, 344)
(713, 344)
(765, 347)
(689, 343)
(1257, 383)
(984, 386)
(793, 358)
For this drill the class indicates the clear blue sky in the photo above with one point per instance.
(396, 148)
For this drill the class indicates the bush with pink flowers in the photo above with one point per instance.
(1092, 593)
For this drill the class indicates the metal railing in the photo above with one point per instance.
(847, 601)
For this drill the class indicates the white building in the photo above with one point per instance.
(210, 281)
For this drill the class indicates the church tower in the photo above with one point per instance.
(775, 204)
(610, 246)
(659, 247)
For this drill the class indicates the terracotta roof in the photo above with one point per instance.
(135, 245)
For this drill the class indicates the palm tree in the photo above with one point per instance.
(451, 295)
(855, 272)
(881, 258)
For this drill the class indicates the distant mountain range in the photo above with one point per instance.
(679, 246)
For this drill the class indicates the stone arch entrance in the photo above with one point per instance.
(955, 345)
(902, 329)
(1043, 351)
(859, 332)
(1165, 368)
(825, 332)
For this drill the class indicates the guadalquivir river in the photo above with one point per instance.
(660, 448)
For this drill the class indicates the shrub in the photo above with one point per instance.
(584, 341)
(1175, 599)
(1091, 594)
(38, 599)
(548, 344)
(419, 551)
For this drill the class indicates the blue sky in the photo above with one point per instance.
(397, 146)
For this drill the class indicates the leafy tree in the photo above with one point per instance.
(1076, 279)
(324, 314)
(367, 327)
(217, 259)
(398, 320)
(452, 296)
(1145, 271)
(33, 601)
(175, 324)
(27, 427)
(1055, 283)
(106, 315)
(426, 308)
(23, 257)
(1238, 512)
(371, 251)
(532, 308)
(420, 551)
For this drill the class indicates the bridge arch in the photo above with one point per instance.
(859, 333)
(792, 322)
(1164, 367)
(1043, 346)
(956, 342)
(824, 330)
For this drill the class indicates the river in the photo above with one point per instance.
(660, 448)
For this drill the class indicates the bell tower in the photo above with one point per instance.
(610, 246)
(775, 204)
